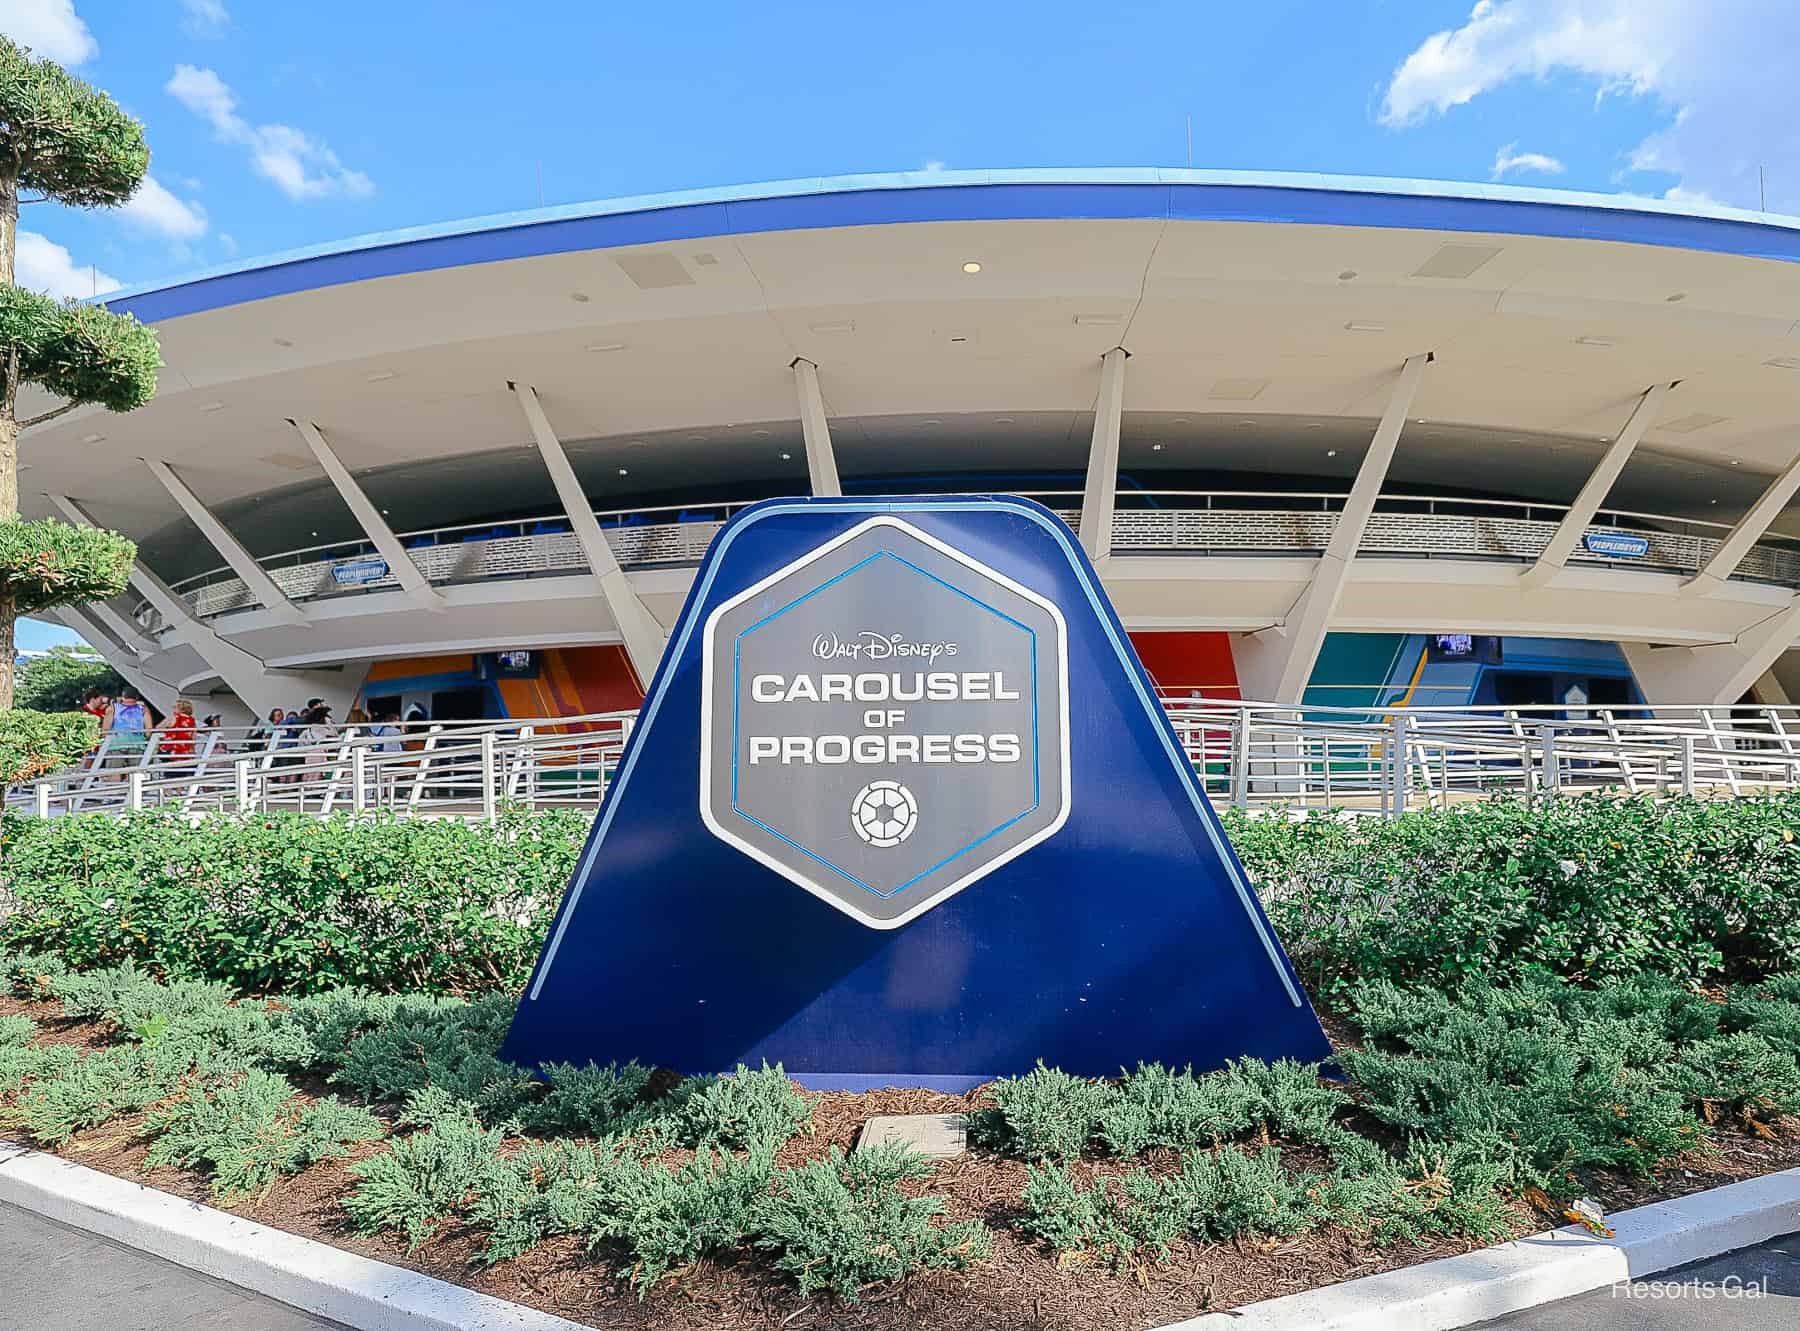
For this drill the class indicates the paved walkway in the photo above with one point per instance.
(1667, 1302)
(53, 1278)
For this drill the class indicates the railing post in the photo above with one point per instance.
(490, 783)
(1240, 758)
(359, 778)
(135, 785)
(1399, 763)
(243, 784)
(1687, 764)
(1552, 776)
(43, 799)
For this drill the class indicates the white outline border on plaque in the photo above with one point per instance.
(707, 676)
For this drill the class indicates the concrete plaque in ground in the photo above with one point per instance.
(937, 1136)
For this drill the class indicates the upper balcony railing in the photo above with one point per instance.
(1171, 522)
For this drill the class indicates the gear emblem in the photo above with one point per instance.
(884, 813)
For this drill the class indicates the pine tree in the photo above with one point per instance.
(60, 140)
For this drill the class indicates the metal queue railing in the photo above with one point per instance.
(1367, 759)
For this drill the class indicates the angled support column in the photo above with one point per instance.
(256, 686)
(1099, 495)
(643, 637)
(121, 629)
(1275, 665)
(1575, 522)
(1747, 533)
(369, 518)
(242, 562)
(821, 458)
(1717, 675)
(124, 660)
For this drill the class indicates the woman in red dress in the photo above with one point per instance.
(177, 743)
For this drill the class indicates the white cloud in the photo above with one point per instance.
(50, 28)
(301, 166)
(205, 18)
(1717, 69)
(1510, 158)
(43, 265)
(934, 165)
(156, 209)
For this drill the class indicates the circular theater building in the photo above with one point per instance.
(1328, 440)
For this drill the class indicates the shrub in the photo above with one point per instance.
(745, 1111)
(843, 1223)
(1590, 887)
(291, 903)
(591, 1100)
(441, 1043)
(1548, 1078)
(248, 1132)
(426, 1178)
(92, 1090)
(666, 1219)
(546, 1188)
(1044, 1115)
(34, 743)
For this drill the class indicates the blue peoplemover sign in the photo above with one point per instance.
(902, 809)
(1616, 544)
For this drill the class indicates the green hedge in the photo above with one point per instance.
(290, 903)
(1590, 888)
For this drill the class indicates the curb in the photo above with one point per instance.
(1526, 1273)
(1432, 1296)
(311, 1276)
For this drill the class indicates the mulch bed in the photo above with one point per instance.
(1019, 1287)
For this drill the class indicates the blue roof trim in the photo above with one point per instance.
(977, 196)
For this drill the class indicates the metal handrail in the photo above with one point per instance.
(1371, 759)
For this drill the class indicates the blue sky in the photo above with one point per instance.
(278, 125)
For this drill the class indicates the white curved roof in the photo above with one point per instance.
(1265, 315)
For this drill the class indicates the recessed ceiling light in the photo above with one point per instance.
(1156, 448)
(605, 346)
(1331, 452)
(1246, 422)
(787, 457)
(698, 438)
(212, 406)
(760, 434)
(934, 422)
(315, 533)
(1097, 320)
(1347, 275)
(705, 259)
(1003, 420)
(579, 297)
(1315, 425)
(283, 342)
(624, 471)
(1679, 295)
(1784, 363)
(1181, 420)
(92, 438)
(1593, 342)
(384, 512)
(1354, 326)
(971, 267)
(380, 376)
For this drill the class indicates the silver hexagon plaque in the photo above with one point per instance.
(885, 721)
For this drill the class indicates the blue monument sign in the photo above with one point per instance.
(902, 809)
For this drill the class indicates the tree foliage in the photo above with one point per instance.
(33, 743)
(64, 137)
(47, 563)
(62, 680)
(85, 354)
